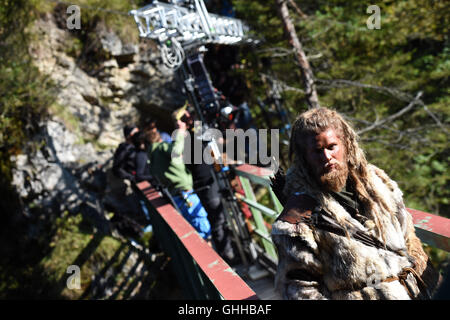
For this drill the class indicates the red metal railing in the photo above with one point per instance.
(432, 229)
(221, 276)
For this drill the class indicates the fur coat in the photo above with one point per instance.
(316, 264)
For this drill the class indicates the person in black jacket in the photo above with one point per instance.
(124, 156)
(141, 163)
(130, 216)
(208, 191)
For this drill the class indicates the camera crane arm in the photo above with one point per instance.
(177, 28)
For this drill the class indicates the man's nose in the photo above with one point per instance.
(327, 155)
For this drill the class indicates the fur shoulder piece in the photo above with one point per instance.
(298, 208)
(391, 184)
(292, 220)
(277, 183)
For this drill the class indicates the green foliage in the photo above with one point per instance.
(439, 258)
(122, 24)
(410, 53)
(25, 92)
(73, 235)
(112, 13)
(42, 274)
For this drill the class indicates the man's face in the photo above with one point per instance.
(325, 156)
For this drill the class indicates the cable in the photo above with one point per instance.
(173, 55)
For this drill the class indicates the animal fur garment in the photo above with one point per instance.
(318, 264)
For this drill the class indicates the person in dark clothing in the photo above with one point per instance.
(130, 216)
(124, 156)
(208, 191)
(141, 158)
(142, 165)
(209, 194)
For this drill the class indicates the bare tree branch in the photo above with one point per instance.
(279, 52)
(297, 9)
(308, 78)
(394, 116)
(275, 49)
(282, 85)
(339, 83)
(431, 114)
(396, 146)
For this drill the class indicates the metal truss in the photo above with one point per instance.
(176, 27)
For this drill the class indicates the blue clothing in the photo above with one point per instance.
(165, 136)
(195, 214)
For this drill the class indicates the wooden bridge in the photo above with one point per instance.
(204, 275)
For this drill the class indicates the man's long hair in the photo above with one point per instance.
(314, 122)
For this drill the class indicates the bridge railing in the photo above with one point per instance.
(201, 272)
(431, 229)
(249, 175)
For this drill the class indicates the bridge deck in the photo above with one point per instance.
(264, 288)
(260, 281)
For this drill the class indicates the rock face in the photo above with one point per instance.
(128, 82)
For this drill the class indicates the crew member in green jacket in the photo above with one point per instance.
(166, 163)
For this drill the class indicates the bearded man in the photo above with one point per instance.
(344, 232)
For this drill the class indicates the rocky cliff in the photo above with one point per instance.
(92, 105)
(100, 84)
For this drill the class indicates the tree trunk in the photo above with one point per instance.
(310, 88)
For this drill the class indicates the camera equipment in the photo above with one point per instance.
(183, 24)
(208, 100)
(182, 28)
(216, 110)
(212, 109)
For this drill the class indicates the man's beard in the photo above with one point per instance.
(336, 179)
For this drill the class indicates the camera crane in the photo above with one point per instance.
(178, 28)
(182, 29)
